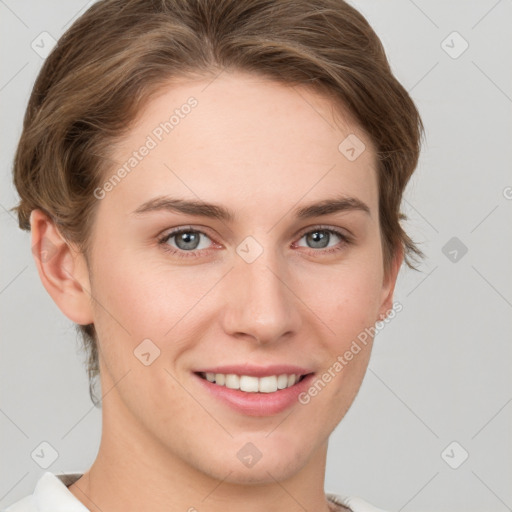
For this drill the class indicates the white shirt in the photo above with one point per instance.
(51, 494)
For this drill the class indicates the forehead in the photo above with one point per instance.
(240, 139)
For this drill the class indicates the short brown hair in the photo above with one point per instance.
(119, 52)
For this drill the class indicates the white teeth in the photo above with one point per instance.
(248, 383)
(251, 384)
(232, 381)
(268, 384)
(282, 381)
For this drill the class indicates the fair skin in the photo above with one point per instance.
(262, 150)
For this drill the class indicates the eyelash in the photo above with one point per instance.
(346, 240)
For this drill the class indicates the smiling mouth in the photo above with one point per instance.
(251, 384)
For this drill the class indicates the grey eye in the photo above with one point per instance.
(186, 240)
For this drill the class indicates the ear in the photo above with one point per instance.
(389, 281)
(62, 269)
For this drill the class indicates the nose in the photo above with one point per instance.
(261, 304)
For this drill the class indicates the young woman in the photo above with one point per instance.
(213, 189)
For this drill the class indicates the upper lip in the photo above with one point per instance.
(256, 371)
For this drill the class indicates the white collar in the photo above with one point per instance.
(52, 495)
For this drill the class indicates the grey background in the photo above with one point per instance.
(440, 371)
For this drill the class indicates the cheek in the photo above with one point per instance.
(137, 302)
(349, 302)
(351, 308)
(138, 313)
(144, 301)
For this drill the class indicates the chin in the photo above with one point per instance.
(250, 465)
(260, 474)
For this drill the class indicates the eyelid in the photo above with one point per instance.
(175, 231)
(337, 229)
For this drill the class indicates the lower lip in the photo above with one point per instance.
(258, 404)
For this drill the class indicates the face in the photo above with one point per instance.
(191, 303)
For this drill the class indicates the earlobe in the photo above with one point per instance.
(62, 269)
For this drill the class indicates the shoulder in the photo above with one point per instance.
(353, 503)
(50, 494)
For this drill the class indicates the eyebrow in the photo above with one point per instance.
(215, 211)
